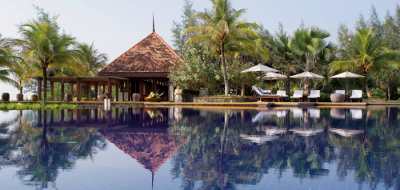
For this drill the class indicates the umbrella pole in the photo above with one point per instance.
(347, 89)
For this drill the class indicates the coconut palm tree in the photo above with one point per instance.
(22, 74)
(310, 45)
(7, 57)
(45, 46)
(91, 58)
(221, 30)
(366, 54)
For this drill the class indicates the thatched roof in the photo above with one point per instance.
(151, 57)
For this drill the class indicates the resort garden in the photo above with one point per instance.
(217, 44)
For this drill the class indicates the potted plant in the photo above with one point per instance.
(35, 98)
(5, 97)
(153, 97)
(20, 97)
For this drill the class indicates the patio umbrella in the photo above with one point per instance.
(260, 68)
(347, 75)
(274, 76)
(307, 76)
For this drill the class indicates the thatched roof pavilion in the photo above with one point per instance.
(142, 69)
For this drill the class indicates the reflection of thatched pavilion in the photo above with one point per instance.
(151, 149)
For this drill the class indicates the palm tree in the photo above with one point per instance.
(283, 57)
(7, 57)
(365, 55)
(310, 45)
(221, 30)
(22, 74)
(91, 58)
(45, 46)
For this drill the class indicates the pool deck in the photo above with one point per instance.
(254, 104)
(240, 105)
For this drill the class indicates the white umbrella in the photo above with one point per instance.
(260, 68)
(347, 74)
(274, 76)
(307, 75)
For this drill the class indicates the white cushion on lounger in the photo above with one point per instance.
(356, 94)
(340, 92)
(314, 94)
(281, 93)
(297, 94)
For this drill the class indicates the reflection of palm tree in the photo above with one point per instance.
(43, 151)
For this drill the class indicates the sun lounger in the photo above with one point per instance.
(297, 95)
(272, 131)
(258, 139)
(297, 112)
(314, 95)
(356, 113)
(345, 132)
(340, 92)
(305, 132)
(314, 113)
(338, 113)
(281, 93)
(356, 95)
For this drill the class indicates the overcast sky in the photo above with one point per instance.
(114, 26)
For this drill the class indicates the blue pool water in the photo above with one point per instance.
(175, 148)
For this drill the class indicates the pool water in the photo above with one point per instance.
(176, 148)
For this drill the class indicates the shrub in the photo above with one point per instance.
(378, 93)
(325, 97)
(5, 97)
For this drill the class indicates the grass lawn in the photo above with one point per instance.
(35, 106)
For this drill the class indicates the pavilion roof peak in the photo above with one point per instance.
(150, 55)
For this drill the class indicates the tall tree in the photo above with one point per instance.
(7, 57)
(188, 19)
(221, 29)
(44, 45)
(366, 54)
(91, 58)
(311, 46)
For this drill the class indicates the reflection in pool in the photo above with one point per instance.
(175, 148)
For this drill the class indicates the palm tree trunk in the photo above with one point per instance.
(366, 88)
(44, 72)
(224, 70)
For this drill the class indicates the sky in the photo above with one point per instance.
(114, 26)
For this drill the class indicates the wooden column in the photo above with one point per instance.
(78, 91)
(130, 90)
(88, 89)
(52, 90)
(62, 90)
(141, 89)
(39, 89)
(72, 89)
(117, 91)
(109, 93)
(96, 91)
